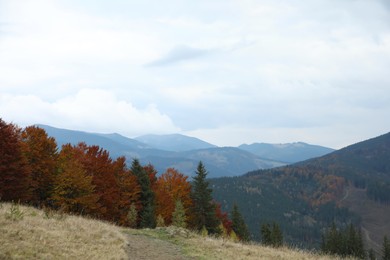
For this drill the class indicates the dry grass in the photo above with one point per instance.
(28, 233)
(197, 247)
(208, 248)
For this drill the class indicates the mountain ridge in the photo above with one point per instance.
(222, 161)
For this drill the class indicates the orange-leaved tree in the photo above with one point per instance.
(73, 190)
(41, 154)
(171, 187)
(129, 191)
(14, 170)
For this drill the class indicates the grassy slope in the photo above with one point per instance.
(28, 233)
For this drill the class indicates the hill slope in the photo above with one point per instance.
(174, 142)
(306, 197)
(289, 153)
(29, 233)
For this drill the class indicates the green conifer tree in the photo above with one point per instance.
(147, 212)
(179, 215)
(238, 224)
(266, 237)
(276, 235)
(203, 209)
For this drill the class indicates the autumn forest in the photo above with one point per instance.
(85, 180)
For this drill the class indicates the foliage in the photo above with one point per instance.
(203, 209)
(238, 224)
(160, 221)
(132, 216)
(73, 189)
(147, 210)
(15, 213)
(179, 215)
(343, 242)
(14, 169)
(170, 187)
(41, 154)
(271, 235)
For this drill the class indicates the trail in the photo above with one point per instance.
(144, 247)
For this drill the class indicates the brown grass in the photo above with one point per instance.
(28, 233)
(197, 247)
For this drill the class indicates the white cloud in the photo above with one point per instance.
(313, 66)
(89, 110)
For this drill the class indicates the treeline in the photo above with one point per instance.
(85, 180)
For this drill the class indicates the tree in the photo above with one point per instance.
(386, 248)
(179, 215)
(343, 242)
(98, 164)
(226, 223)
(41, 154)
(271, 234)
(266, 237)
(73, 191)
(14, 171)
(170, 187)
(238, 224)
(203, 209)
(276, 235)
(147, 210)
(129, 193)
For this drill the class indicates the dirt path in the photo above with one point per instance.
(144, 247)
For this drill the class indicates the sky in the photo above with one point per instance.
(226, 71)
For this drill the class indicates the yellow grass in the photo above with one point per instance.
(196, 246)
(28, 233)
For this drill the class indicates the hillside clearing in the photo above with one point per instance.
(29, 233)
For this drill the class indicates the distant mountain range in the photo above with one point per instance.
(288, 153)
(348, 185)
(184, 153)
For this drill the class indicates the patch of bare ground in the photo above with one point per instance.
(375, 216)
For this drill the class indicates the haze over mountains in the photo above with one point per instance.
(184, 153)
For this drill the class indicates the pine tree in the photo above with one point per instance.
(203, 209)
(266, 237)
(276, 235)
(386, 249)
(179, 215)
(147, 212)
(238, 224)
(346, 242)
(271, 235)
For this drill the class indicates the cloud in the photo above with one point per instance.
(95, 109)
(179, 53)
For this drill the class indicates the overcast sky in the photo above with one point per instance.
(226, 71)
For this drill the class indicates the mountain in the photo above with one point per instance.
(174, 142)
(220, 161)
(289, 153)
(348, 185)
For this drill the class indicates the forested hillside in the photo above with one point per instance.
(309, 196)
